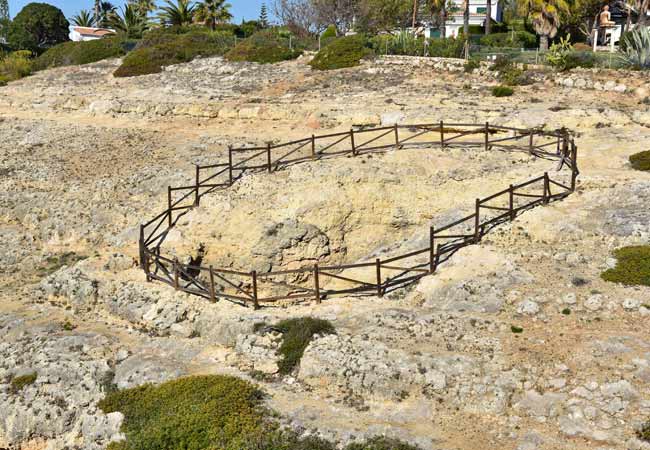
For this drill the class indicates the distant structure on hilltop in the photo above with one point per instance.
(78, 34)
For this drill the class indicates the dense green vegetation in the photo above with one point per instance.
(518, 39)
(641, 160)
(347, 51)
(405, 43)
(210, 412)
(37, 27)
(14, 66)
(632, 266)
(267, 46)
(502, 91)
(18, 383)
(296, 336)
(164, 47)
(76, 53)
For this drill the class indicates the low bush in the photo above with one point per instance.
(210, 412)
(165, 47)
(76, 53)
(265, 47)
(15, 66)
(632, 266)
(297, 334)
(347, 51)
(515, 329)
(471, 65)
(641, 160)
(509, 73)
(18, 383)
(446, 48)
(516, 39)
(643, 433)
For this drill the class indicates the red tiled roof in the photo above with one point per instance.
(98, 32)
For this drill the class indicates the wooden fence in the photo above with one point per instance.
(381, 275)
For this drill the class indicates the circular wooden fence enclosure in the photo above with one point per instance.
(378, 276)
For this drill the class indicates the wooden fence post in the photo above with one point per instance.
(530, 142)
(316, 284)
(213, 298)
(432, 266)
(256, 304)
(141, 246)
(354, 150)
(313, 147)
(396, 137)
(547, 189)
(487, 135)
(169, 206)
(574, 165)
(268, 156)
(197, 198)
(442, 136)
(378, 264)
(511, 207)
(147, 264)
(477, 233)
(175, 265)
(230, 164)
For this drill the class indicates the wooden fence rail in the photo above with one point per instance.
(380, 275)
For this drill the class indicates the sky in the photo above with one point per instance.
(241, 9)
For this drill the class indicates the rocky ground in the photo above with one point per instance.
(86, 158)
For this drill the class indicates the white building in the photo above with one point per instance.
(477, 15)
(78, 34)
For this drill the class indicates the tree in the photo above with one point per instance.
(386, 15)
(179, 14)
(83, 19)
(212, 12)
(439, 8)
(106, 10)
(544, 16)
(488, 17)
(264, 16)
(132, 22)
(466, 19)
(37, 27)
(143, 7)
(297, 15)
(4, 20)
(341, 13)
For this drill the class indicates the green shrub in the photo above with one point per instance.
(471, 65)
(509, 73)
(502, 91)
(18, 383)
(446, 48)
(344, 52)
(172, 46)
(265, 47)
(517, 39)
(636, 51)
(330, 32)
(37, 27)
(641, 161)
(585, 59)
(16, 65)
(632, 266)
(566, 311)
(77, 53)
(381, 443)
(562, 56)
(198, 412)
(297, 334)
(515, 329)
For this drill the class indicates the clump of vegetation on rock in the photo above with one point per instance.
(643, 433)
(18, 383)
(635, 47)
(265, 47)
(210, 412)
(168, 46)
(641, 160)
(297, 334)
(76, 53)
(632, 266)
(502, 91)
(347, 51)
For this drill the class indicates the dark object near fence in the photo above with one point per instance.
(380, 275)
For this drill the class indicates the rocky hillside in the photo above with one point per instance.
(516, 343)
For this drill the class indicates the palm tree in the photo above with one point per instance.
(488, 17)
(132, 23)
(439, 7)
(83, 19)
(544, 15)
(211, 12)
(106, 9)
(179, 14)
(144, 7)
(466, 19)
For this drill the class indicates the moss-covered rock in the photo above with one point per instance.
(347, 51)
(265, 47)
(632, 266)
(641, 161)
